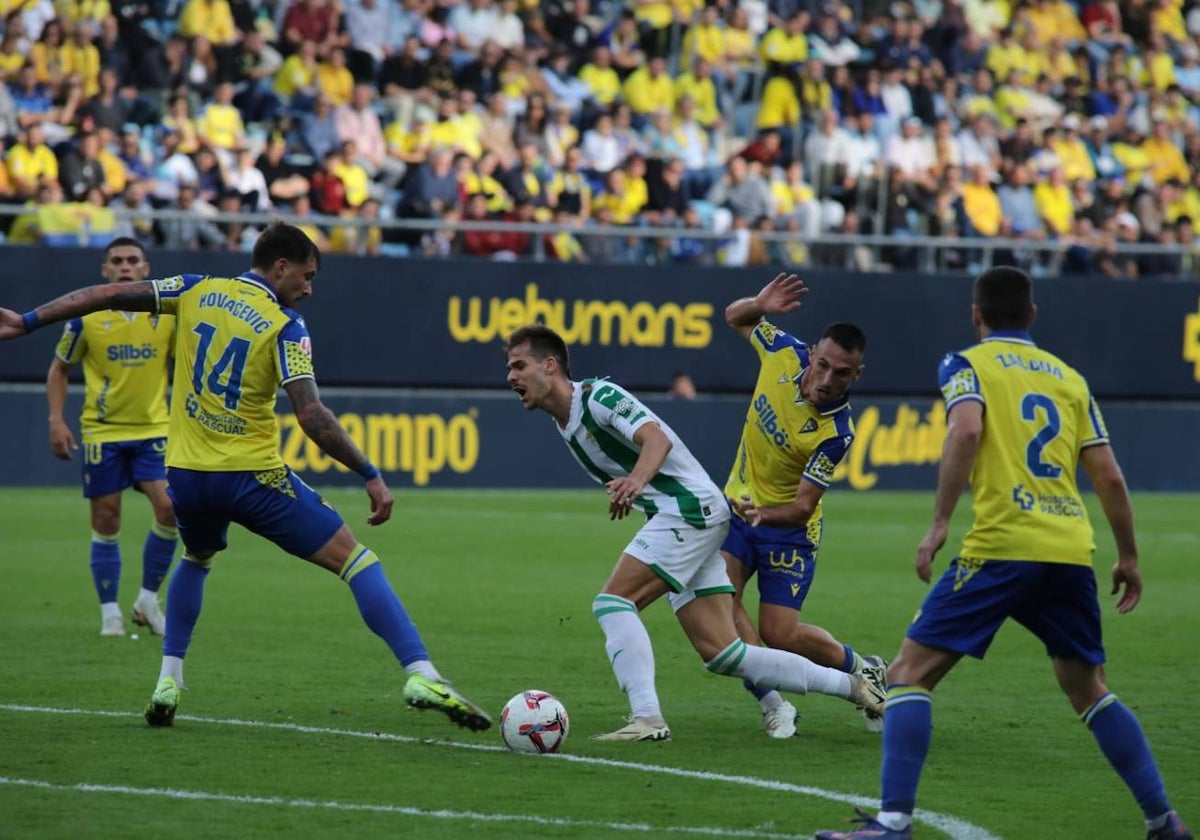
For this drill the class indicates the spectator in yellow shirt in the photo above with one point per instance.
(334, 79)
(1166, 161)
(1167, 18)
(211, 18)
(1131, 154)
(981, 204)
(298, 75)
(1158, 64)
(180, 120)
(702, 90)
(47, 56)
(1072, 153)
(649, 89)
(81, 57)
(654, 19)
(1052, 198)
(30, 162)
(1005, 55)
(706, 39)
(787, 44)
(600, 77)
(220, 123)
(353, 177)
(358, 239)
(91, 12)
(780, 106)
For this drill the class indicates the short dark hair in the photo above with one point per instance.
(544, 343)
(283, 241)
(847, 336)
(1004, 295)
(123, 242)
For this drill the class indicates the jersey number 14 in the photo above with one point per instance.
(229, 367)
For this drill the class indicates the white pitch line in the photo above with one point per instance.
(954, 827)
(404, 810)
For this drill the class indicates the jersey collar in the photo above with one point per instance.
(576, 415)
(1011, 336)
(260, 281)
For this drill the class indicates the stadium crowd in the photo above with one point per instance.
(1037, 120)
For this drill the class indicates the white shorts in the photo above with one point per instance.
(688, 559)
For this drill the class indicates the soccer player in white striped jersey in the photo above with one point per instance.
(643, 464)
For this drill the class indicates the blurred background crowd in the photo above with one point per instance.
(1029, 120)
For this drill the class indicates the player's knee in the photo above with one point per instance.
(775, 633)
(203, 559)
(607, 604)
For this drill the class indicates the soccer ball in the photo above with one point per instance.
(534, 722)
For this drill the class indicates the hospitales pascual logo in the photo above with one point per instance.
(636, 323)
(1191, 341)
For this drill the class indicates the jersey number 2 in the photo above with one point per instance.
(230, 366)
(1048, 432)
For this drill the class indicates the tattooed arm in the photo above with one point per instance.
(129, 297)
(322, 427)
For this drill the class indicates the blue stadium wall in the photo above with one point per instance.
(387, 332)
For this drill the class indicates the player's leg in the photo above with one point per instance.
(200, 501)
(960, 616)
(778, 715)
(632, 586)
(278, 505)
(105, 560)
(150, 476)
(1068, 622)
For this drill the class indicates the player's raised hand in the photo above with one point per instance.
(930, 545)
(62, 441)
(1127, 574)
(783, 294)
(381, 501)
(11, 325)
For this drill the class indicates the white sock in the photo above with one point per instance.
(145, 595)
(629, 652)
(771, 700)
(779, 669)
(895, 820)
(172, 666)
(424, 668)
(110, 610)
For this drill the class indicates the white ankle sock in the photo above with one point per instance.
(110, 610)
(424, 668)
(779, 669)
(172, 666)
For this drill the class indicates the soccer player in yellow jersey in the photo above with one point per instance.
(238, 341)
(125, 358)
(797, 430)
(1019, 423)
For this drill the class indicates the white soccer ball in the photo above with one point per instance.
(534, 722)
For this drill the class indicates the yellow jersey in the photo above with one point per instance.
(125, 359)
(787, 440)
(1039, 415)
(236, 346)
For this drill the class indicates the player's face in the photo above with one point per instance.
(294, 281)
(125, 264)
(831, 371)
(530, 378)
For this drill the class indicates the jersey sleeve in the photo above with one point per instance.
(72, 346)
(1093, 432)
(768, 338)
(168, 290)
(958, 381)
(294, 352)
(611, 405)
(825, 458)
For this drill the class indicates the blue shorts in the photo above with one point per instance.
(274, 504)
(785, 559)
(112, 467)
(1054, 601)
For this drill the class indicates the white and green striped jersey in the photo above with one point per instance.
(599, 432)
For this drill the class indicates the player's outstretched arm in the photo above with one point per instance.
(322, 427)
(793, 514)
(1102, 468)
(964, 427)
(129, 297)
(655, 447)
(781, 295)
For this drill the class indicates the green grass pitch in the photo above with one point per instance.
(287, 690)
